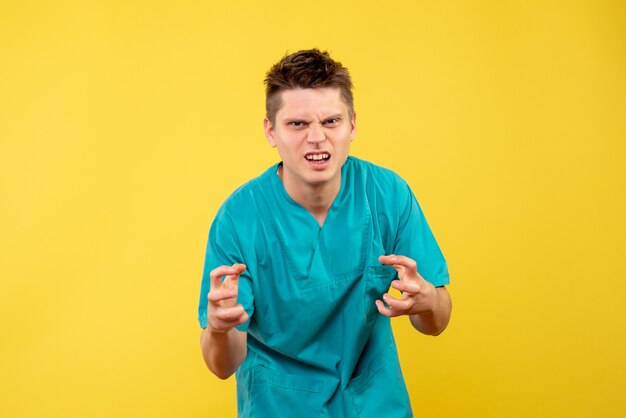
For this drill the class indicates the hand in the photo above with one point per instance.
(223, 312)
(418, 295)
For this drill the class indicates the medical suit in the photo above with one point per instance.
(317, 345)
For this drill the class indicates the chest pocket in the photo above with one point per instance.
(378, 278)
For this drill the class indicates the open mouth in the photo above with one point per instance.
(319, 158)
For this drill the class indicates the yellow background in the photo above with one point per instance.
(124, 125)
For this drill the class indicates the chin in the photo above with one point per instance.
(321, 178)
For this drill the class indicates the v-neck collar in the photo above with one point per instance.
(331, 210)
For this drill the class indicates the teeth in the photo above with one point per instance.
(317, 157)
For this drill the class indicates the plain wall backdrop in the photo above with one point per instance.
(125, 124)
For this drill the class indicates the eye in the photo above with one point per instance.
(331, 121)
(296, 124)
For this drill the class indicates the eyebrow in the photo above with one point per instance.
(299, 118)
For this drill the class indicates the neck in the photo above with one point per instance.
(316, 198)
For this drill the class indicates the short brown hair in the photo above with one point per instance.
(306, 69)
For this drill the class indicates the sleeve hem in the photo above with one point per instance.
(440, 281)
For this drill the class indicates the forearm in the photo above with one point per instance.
(435, 320)
(223, 353)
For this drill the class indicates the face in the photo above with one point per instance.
(312, 132)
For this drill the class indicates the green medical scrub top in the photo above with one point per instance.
(317, 345)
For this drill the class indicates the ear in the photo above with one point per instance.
(353, 127)
(268, 128)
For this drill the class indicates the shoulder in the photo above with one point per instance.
(377, 178)
(242, 203)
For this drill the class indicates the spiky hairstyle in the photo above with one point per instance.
(306, 69)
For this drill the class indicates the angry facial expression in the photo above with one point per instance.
(312, 131)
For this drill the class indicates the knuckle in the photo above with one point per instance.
(216, 296)
(218, 272)
(243, 318)
(223, 316)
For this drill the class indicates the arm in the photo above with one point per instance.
(224, 347)
(222, 352)
(435, 321)
(428, 307)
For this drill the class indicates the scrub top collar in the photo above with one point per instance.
(278, 183)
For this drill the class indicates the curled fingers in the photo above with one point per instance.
(224, 319)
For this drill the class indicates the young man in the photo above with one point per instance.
(299, 261)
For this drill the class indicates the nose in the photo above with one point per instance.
(316, 133)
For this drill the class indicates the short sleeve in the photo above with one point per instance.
(414, 239)
(223, 249)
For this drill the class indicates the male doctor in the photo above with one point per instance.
(299, 261)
